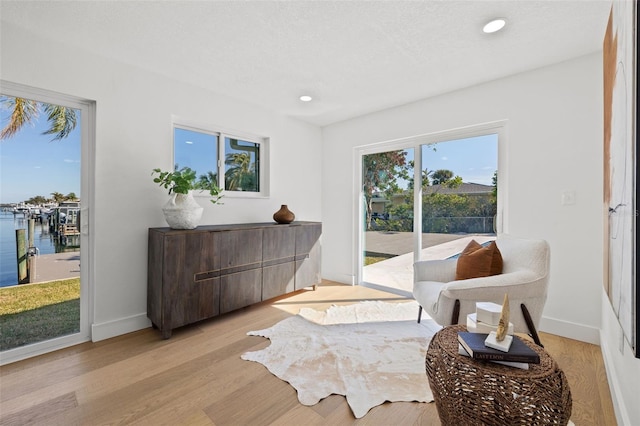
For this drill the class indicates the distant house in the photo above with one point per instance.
(478, 217)
(379, 201)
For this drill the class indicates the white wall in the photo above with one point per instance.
(554, 144)
(133, 136)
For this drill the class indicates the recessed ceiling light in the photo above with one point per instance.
(494, 25)
(305, 98)
(189, 142)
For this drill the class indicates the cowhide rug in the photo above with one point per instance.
(370, 352)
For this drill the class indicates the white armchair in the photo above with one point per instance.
(525, 278)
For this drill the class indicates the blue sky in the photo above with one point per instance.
(196, 150)
(31, 164)
(473, 159)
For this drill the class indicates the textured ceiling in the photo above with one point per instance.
(353, 57)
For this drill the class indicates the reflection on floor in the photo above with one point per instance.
(396, 274)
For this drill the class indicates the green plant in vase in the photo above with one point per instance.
(182, 211)
(183, 180)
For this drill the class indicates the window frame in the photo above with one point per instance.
(221, 134)
(87, 122)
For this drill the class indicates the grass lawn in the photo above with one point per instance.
(32, 313)
(370, 260)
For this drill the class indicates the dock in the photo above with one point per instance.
(57, 266)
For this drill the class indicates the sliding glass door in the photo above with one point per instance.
(455, 201)
(46, 144)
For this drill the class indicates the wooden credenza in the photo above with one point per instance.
(200, 273)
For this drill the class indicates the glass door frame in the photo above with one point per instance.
(415, 143)
(87, 246)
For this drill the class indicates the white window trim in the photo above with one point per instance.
(221, 132)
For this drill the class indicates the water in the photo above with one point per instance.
(43, 240)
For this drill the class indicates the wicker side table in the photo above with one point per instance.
(470, 392)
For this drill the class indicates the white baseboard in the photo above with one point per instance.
(339, 278)
(114, 328)
(622, 416)
(570, 330)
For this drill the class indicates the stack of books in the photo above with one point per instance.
(482, 326)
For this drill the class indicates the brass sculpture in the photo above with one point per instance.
(503, 323)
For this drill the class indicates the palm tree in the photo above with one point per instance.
(241, 175)
(57, 197)
(441, 176)
(23, 111)
(37, 200)
(205, 181)
(62, 119)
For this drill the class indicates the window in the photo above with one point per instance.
(242, 165)
(237, 163)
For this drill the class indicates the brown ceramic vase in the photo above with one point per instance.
(284, 215)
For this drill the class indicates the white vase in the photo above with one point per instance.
(182, 211)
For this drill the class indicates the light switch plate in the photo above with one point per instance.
(568, 198)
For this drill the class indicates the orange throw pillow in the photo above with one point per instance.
(496, 261)
(477, 261)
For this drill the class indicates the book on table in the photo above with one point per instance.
(473, 343)
(520, 365)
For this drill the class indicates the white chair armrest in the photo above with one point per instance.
(519, 284)
(435, 270)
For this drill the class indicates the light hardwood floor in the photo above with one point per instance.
(198, 378)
